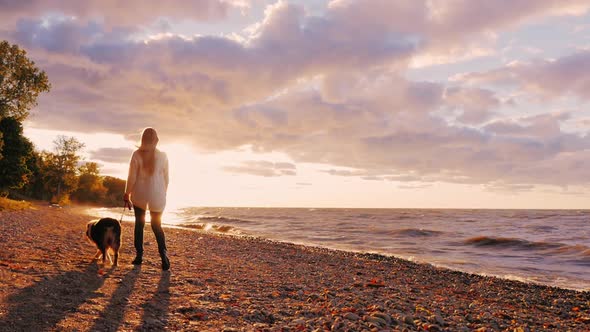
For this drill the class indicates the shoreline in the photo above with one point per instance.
(374, 255)
(213, 226)
(233, 283)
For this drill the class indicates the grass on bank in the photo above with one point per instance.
(7, 204)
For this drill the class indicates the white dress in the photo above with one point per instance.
(148, 191)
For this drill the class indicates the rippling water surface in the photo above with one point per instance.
(543, 246)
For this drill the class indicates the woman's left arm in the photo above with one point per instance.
(166, 173)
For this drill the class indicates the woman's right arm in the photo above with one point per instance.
(131, 176)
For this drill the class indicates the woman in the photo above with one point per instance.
(146, 188)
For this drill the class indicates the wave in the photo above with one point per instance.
(543, 228)
(362, 216)
(211, 227)
(467, 220)
(514, 243)
(218, 219)
(415, 232)
(578, 250)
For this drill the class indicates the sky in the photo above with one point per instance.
(317, 103)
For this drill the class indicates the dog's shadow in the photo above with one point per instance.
(113, 315)
(44, 304)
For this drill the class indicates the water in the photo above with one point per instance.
(550, 247)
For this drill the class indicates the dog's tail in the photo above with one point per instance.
(109, 237)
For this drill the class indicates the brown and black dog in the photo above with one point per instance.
(105, 233)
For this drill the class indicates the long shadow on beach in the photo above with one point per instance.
(43, 305)
(112, 316)
(155, 310)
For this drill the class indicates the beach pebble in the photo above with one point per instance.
(383, 316)
(153, 322)
(439, 320)
(522, 329)
(433, 328)
(337, 325)
(558, 302)
(487, 315)
(376, 320)
(376, 307)
(299, 321)
(409, 320)
(495, 325)
(352, 316)
(470, 318)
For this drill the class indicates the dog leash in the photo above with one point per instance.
(122, 214)
(127, 204)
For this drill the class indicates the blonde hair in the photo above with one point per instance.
(147, 149)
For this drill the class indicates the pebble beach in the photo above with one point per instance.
(49, 282)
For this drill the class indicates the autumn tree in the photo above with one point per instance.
(21, 82)
(60, 167)
(115, 187)
(90, 188)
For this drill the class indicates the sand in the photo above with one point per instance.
(48, 282)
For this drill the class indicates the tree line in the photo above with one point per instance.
(57, 176)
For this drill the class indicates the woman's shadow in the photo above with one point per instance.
(155, 310)
(113, 315)
(44, 304)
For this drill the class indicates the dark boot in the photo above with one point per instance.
(138, 235)
(165, 262)
(138, 259)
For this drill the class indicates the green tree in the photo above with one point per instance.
(21, 82)
(34, 188)
(90, 185)
(19, 153)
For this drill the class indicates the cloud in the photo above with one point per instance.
(450, 16)
(329, 89)
(546, 79)
(121, 13)
(111, 155)
(476, 105)
(419, 146)
(504, 188)
(537, 126)
(415, 187)
(263, 168)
